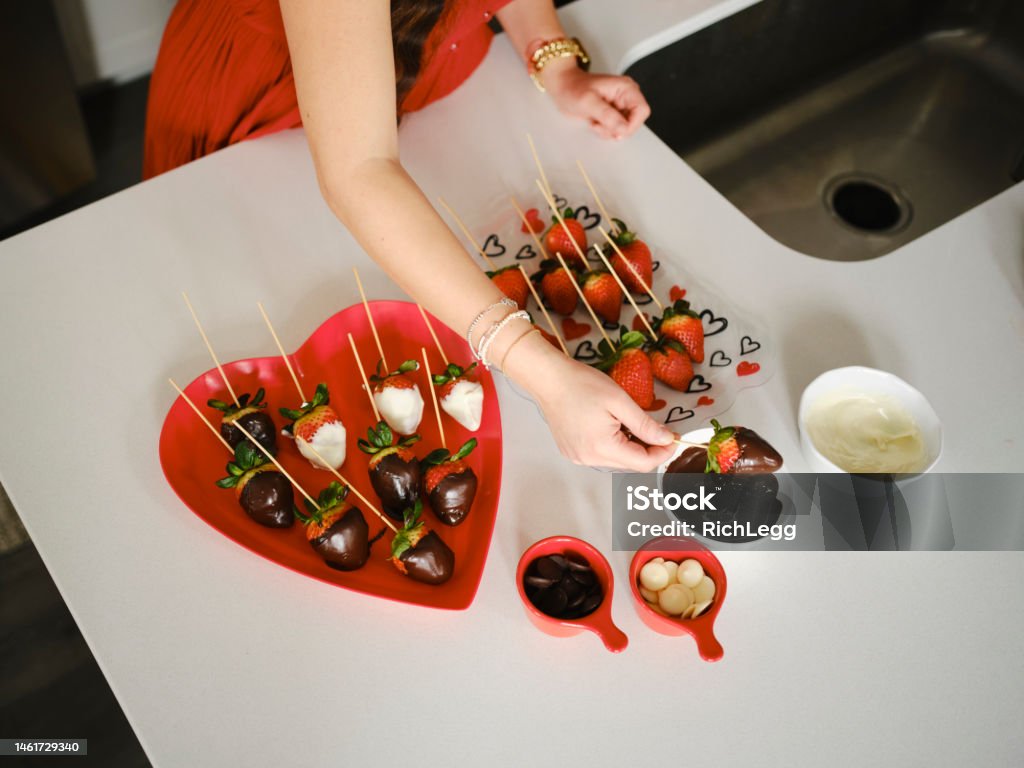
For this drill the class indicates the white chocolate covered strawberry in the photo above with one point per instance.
(316, 425)
(398, 398)
(461, 397)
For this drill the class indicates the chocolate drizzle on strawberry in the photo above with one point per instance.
(449, 483)
(263, 493)
(251, 415)
(420, 553)
(336, 530)
(394, 470)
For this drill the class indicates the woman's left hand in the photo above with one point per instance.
(612, 104)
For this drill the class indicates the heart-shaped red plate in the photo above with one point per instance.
(193, 459)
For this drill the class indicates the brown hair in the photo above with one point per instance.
(411, 23)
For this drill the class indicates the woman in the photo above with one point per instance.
(347, 70)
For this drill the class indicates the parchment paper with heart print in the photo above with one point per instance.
(738, 352)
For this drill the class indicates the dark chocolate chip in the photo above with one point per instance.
(552, 601)
(548, 568)
(560, 561)
(538, 581)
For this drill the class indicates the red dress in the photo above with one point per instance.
(223, 74)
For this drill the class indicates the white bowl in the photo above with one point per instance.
(869, 381)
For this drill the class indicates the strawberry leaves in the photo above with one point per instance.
(407, 367)
(320, 397)
(381, 437)
(610, 355)
(330, 497)
(451, 373)
(244, 401)
(247, 458)
(443, 455)
(410, 533)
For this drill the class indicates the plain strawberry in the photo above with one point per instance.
(629, 366)
(684, 325)
(671, 364)
(557, 240)
(636, 254)
(512, 283)
(603, 294)
(556, 285)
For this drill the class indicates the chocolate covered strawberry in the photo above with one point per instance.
(556, 285)
(262, 491)
(251, 414)
(512, 283)
(316, 425)
(336, 530)
(603, 293)
(420, 553)
(558, 240)
(636, 270)
(449, 483)
(394, 469)
(684, 325)
(670, 364)
(740, 451)
(461, 397)
(398, 397)
(629, 366)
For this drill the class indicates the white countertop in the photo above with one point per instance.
(221, 658)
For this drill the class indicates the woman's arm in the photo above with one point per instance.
(344, 68)
(612, 104)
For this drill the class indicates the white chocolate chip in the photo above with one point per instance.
(653, 576)
(649, 595)
(675, 599)
(690, 573)
(699, 608)
(671, 568)
(704, 591)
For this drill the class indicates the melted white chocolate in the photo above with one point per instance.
(865, 433)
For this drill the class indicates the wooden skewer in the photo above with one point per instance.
(593, 193)
(540, 167)
(632, 269)
(679, 441)
(280, 348)
(625, 290)
(433, 396)
(277, 464)
(433, 335)
(337, 474)
(209, 348)
(369, 316)
(200, 414)
(579, 290)
(472, 240)
(366, 383)
(544, 311)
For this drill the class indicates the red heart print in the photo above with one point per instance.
(747, 368)
(534, 220)
(638, 323)
(675, 293)
(705, 400)
(573, 330)
(657, 405)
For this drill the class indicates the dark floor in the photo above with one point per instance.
(50, 685)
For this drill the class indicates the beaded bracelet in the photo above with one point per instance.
(505, 302)
(492, 333)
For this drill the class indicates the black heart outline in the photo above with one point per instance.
(655, 266)
(720, 355)
(526, 252)
(748, 345)
(712, 320)
(593, 255)
(584, 215)
(493, 240)
(609, 326)
(560, 202)
(695, 385)
(680, 414)
(643, 300)
(585, 351)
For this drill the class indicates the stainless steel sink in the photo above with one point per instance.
(846, 129)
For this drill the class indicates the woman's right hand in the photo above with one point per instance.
(586, 410)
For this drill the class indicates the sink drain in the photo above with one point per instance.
(867, 204)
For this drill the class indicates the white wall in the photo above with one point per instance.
(112, 39)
